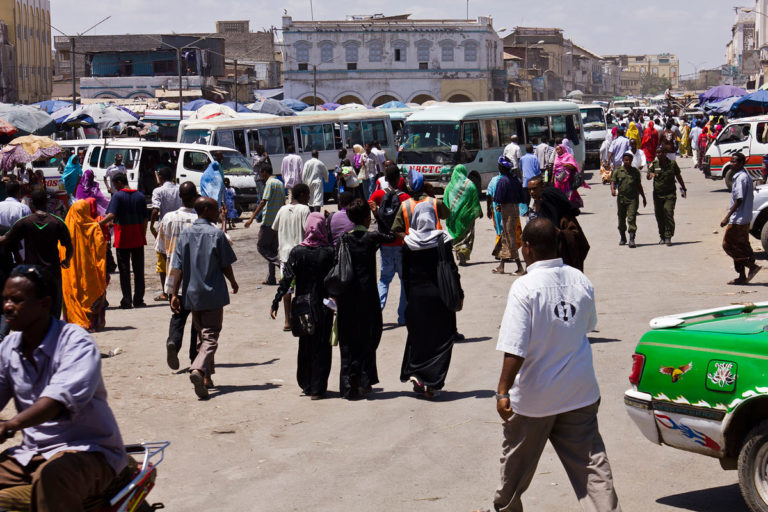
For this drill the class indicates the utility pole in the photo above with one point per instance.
(235, 85)
(314, 80)
(72, 68)
(181, 94)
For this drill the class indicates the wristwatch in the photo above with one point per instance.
(499, 397)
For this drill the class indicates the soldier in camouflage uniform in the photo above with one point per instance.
(663, 172)
(626, 183)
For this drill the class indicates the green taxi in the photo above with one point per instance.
(700, 383)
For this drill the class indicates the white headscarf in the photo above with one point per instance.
(423, 233)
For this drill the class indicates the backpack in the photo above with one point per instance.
(390, 205)
(577, 180)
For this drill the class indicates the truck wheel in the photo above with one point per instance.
(753, 468)
(729, 179)
(764, 237)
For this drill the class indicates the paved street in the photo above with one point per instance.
(259, 445)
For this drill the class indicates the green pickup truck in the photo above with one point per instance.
(700, 383)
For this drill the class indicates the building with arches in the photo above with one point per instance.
(27, 51)
(376, 59)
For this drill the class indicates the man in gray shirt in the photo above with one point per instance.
(736, 223)
(201, 261)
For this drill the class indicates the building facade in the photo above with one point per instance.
(647, 74)
(28, 32)
(740, 57)
(376, 59)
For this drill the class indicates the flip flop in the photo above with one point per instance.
(519, 273)
(752, 273)
(286, 329)
(161, 298)
(497, 271)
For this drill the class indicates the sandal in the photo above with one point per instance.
(418, 387)
(161, 298)
(519, 272)
(497, 271)
(286, 328)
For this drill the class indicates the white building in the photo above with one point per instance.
(739, 52)
(375, 59)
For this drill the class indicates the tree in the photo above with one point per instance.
(654, 84)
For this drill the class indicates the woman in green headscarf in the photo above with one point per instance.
(462, 197)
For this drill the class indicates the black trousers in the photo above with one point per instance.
(126, 258)
(176, 332)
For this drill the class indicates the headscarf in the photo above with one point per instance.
(505, 162)
(71, 174)
(415, 180)
(615, 132)
(462, 199)
(567, 145)
(212, 182)
(88, 188)
(424, 233)
(565, 159)
(316, 231)
(650, 142)
(633, 133)
(85, 281)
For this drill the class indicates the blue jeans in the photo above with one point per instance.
(391, 263)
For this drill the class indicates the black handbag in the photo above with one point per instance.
(302, 315)
(448, 281)
(342, 275)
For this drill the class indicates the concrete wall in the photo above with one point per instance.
(29, 34)
(134, 87)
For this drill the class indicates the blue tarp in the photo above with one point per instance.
(751, 104)
(330, 106)
(51, 106)
(240, 107)
(720, 107)
(721, 92)
(293, 104)
(196, 104)
(393, 104)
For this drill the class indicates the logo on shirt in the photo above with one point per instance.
(565, 311)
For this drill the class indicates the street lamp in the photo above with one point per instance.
(72, 56)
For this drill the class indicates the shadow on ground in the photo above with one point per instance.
(245, 365)
(726, 497)
(223, 390)
(595, 339)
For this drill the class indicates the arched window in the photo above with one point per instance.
(326, 51)
(470, 51)
(375, 51)
(400, 47)
(302, 51)
(351, 50)
(446, 50)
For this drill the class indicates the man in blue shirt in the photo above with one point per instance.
(736, 223)
(72, 448)
(201, 261)
(529, 165)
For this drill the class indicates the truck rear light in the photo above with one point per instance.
(638, 363)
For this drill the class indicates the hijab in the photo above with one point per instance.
(415, 180)
(316, 233)
(88, 188)
(633, 133)
(462, 199)
(567, 145)
(615, 132)
(565, 159)
(212, 182)
(71, 174)
(424, 233)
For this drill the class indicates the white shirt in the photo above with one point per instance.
(111, 171)
(368, 168)
(168, 234)
(289, 224)
(314, 170)
(512, 152)
(12, 210)
(542, 153)
(639, 160)
(166, 198)
(695, 132)
(381, 157)
(549, 312)
(290, 168)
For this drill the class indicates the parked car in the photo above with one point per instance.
(699, 384)
(750, 137)
(759, 225)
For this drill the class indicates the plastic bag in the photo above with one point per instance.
(342, 275)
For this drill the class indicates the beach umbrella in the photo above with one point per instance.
(196, 104)
(28, 148)
(294, 104)
(751, 104)
(27, 119)
(720, 93)
(270, 106)
(240, 107)
(51, 106)
(393, 104)
(330, 106)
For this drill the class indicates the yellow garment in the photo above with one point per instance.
(633, 133)
(85, 281)
(685, 140)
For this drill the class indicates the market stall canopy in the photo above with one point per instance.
(7, 129)
(196, 104)
(721, 107)
(294, 104)
(240, 107)
(270, 106)
(51, 106)
(29, 148)
(393, 104)
(720, 93)
(351, 106)
(751, 104)
(575, 94)
(99, 115)
(330, 106)
(213, 110)
(27, 120)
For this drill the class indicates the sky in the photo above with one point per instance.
(694, 30)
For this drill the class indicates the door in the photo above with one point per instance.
(733, 139)
(191, 166)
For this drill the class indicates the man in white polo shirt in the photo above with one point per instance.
(547, 389)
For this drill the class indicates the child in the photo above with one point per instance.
(229, 202)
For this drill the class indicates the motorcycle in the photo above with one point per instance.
(127, 493)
